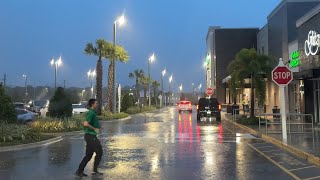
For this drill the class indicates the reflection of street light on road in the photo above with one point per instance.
(91, 75)
(56, 64)
(118, 22)
(150, 60)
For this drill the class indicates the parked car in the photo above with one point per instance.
(185, 106)
(40, 107)
(79, 109)
(19, 105)
(25, 116)
(208, 107)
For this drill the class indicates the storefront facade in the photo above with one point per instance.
(308, 28)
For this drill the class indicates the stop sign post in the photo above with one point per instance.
(282, 76)
(209, 91)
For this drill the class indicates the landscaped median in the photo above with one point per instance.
(293, 150)
(106, 116)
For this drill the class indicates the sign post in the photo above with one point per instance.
(282, 76)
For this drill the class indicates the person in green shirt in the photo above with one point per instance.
(91, 129)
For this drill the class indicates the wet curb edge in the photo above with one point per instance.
(304, 155)
(30, 145)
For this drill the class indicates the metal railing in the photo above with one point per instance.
(297, 120)
(237, 112)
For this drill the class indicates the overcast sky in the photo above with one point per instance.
(34, 31)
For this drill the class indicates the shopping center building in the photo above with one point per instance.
(291, 27)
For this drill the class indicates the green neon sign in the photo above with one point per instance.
(208, 60)
(295, 61)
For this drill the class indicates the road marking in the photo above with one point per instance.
(274, 162)
(313, 178)
(302, 168)
(272, 150)
(264, 146)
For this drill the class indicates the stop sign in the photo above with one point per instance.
(282, 75)
(209, 91)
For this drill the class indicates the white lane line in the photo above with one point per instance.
(317, 177)
(302, 168)
(271, 150)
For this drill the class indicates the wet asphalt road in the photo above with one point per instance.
(159, 145)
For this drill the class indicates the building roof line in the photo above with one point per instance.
(283, 2)
(308, 16)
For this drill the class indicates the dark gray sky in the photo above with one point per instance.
(34, 31)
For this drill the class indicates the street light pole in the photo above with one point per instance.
(56, 64)
(151, 58)
(163, 73)
(113, 61)
(26, 90)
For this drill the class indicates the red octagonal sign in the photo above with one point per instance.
(282, 75)
(209, 91)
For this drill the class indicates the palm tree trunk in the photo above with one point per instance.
(99, 84)
(110, 87)
(137, 89)
(145, 94)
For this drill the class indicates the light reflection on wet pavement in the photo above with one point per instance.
(159, 145)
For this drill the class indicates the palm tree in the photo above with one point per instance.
(101, 49)
(114, 54)
(145, 80)
(137, 74)
(249, 64)
(155, 86)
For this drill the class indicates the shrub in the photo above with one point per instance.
(136, 109)
(14, 132)
(53, 125)
(250, 121)
(108, 115)
(7, 109)
(127, 101)
(60, 105)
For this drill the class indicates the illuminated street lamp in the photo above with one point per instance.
(91, 75)
(83, 91)
(26, 89)
(118, 22)
(150, 60)
(56, 64)
(180, 88)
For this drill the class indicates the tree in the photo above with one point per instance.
(145, 80)
(60, 105)
(127, 101)
(101, 50)
(155, 86)
(114, 54)
(137, 74)
(249, 64)
(7, 110)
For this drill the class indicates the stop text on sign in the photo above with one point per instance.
(281, 75)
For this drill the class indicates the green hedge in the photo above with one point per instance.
(13, 134)
(108, 115)
(54, 125)
(136, 109)
(250, 121)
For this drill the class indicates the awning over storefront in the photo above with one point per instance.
(307, 74)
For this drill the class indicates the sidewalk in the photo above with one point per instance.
(308, 144)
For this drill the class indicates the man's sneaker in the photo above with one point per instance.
(80, 174)
(97, 173)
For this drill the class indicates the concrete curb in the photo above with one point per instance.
(295, 151)
(115, 120)
(30, 145)
(64, 133)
